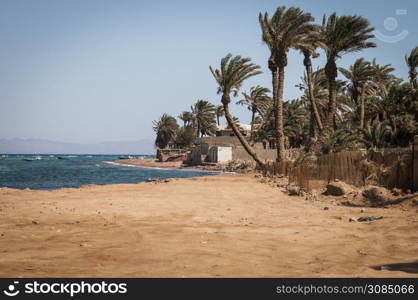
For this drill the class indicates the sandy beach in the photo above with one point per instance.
(215, 226)
(150, 163)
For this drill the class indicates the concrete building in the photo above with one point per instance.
(226, 146)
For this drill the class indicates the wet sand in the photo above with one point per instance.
(215, 226)
(150, 163)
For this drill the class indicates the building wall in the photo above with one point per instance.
(220, 154)
(206, 147)
(239, 153)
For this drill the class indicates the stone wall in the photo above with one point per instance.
(202, 149)
(165, 154)
(238, 151)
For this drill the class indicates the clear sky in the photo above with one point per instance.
(88, 71)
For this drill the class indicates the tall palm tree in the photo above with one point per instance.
(204, 115)
(340, 35)
(315, 93)
(360, 75)
(255, 101)
(412, 62)
(219, 111)
(230, 76)
(308, 47)
(286, 29)
(186, 117)
(165, 128)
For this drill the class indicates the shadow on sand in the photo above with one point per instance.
(411, 267)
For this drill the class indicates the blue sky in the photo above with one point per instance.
(91, 71)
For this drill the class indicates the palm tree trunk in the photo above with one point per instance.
(413, 78)
(241, 138)
(217, 119)
(310, 139)
(331, 72)
(362, 95)
(278, 82)
(332, 106)
(308, 64)
(252, 124)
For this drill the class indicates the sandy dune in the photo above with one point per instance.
(216, 226)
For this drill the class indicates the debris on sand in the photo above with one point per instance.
(377, 194)
(293, 190)
(336, 188)
(396, 192)
(156, 180)
(362, 252)
(365, 219)
(369, 219)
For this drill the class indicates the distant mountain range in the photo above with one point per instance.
(37, 146)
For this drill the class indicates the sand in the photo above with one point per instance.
(150, 163)
(215, 226)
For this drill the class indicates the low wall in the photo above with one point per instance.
(239, 153)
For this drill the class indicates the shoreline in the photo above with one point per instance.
(178, 165)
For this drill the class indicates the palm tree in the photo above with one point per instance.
(314, 88)
(295, 124)
(185, 137)
(412, 62)
(204, 115)
(219, 111)
(339, 36)
(308, 48)
(165, 128)
(286, 29)
(230, 76)
(186, 117)
(377, 135)
(341, 139)
(360, 75)
(255, 101)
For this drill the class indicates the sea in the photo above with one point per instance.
(54, 171)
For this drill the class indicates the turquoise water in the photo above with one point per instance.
(77, 170)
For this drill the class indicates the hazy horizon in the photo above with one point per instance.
(93, 71)
(45, 146)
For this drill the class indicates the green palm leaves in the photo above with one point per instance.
(256, 100)
(412, 62)
(204, 117)
(165, 128)
(286, 29)
(232, 73)
(340, 35)
(229, 77)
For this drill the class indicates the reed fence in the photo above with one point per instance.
(387, 168)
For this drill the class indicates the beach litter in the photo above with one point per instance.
(365, 219)
(156, 180)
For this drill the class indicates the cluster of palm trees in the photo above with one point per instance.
(201, 120)
(369, 108)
